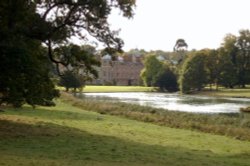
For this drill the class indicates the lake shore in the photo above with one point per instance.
(173, 101)
(233, 125)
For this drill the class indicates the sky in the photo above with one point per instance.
(157, 24)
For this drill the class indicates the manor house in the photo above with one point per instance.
(125, 70)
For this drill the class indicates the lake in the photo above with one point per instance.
(176, 102)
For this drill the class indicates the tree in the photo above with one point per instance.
(160, 74)
(193, 74)
(82, 59)
(238, 48)
(151, 71)
(229, 46)
(212, 66)
(24, 76)
(81, 69)
(29, 26)
(73, 17)
(180, 45)
(219, 68)
(180, 48)
(167, 79)
(227, 71)
(243, 57)
(71, 80)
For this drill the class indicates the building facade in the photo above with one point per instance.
(123, 71)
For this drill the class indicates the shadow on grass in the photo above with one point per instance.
(47, 143)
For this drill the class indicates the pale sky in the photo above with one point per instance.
(157, 24)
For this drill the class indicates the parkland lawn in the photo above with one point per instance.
(223, 92)
(65, 135)
(91, 88)
(226, 92)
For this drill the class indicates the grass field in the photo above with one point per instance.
(225, 92)
(233, 125)
(91, 88)
(66, 135)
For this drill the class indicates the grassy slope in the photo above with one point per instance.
(65, 135)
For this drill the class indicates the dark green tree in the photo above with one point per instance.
(24, 76)
(193, 75)
(238, 48)
(71, 80)
(27, 26)
(212, 66)
(227, 75)
(167, 80)
(219, 68)
(243, 57)
(158, 73)
(23, 62)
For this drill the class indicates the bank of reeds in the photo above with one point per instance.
(245, 110)
(233, 125)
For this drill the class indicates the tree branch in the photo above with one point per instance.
(56, 62)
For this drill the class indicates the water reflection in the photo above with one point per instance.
(185, 103)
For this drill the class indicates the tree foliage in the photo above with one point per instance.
(71, 80)
(167, 80)
(180, 45)
(24, 76)
(211, 65)
(82, 67)
(80, 18)
(29, 26)
(151, 71)
(227, 75)
(238, 48)
(158, 73)
(82, 59)
(193, 74)
(219, 68)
